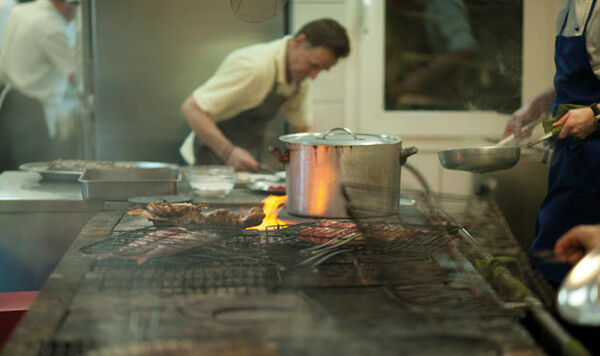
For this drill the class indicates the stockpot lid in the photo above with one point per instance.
(346, 138)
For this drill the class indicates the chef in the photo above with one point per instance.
(38, 63)
(573, 195)
(228, 114)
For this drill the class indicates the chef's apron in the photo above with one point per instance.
(246, 130)
(573, 196)
(23, 132)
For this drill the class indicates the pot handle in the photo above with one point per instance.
(282, 154)
(340, 129)
(407, 152)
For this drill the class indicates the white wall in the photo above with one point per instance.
(344, 96)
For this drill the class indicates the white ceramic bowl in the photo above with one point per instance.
(211, 181)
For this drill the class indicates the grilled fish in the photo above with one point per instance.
(161, 243)
(187, 213)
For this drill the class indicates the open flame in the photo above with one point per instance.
(272, 205)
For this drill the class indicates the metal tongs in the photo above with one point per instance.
(539, 139)
(508, 140)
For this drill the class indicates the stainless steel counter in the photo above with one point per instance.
(26, 191)
(39, 220)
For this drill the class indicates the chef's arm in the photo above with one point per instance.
(205, 128)
(533, 110)
(579, 123)
(56, 48)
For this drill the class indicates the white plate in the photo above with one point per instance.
(267, 187)
(246, 178)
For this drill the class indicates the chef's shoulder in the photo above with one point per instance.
(258, 59)
(41, 20)
(248, 69)
(241, 82)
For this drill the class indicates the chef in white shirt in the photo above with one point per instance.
(5, 7)
(228, 113)
(38, 63)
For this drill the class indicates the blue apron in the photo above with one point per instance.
(573, 196)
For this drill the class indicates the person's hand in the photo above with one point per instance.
(578, 123)
(520, 118)
(578, 241)
(242, 160)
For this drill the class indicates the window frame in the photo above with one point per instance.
(538, 69)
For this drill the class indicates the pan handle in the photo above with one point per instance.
(540, 139)
(407, 152)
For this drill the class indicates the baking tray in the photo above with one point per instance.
(71, 170)
(125, 183)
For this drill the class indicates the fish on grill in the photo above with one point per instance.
(187, 213)
(161, 243)
(326, 230)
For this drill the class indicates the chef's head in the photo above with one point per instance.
(317, 46)
(66, 7)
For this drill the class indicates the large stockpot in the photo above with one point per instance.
(317, 164)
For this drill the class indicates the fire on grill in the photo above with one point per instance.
(255, 218)
(272, 205)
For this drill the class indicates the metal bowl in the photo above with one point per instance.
(481, 159)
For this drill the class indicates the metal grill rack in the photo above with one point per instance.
(280, 257)
(388, 284)
(479, 217)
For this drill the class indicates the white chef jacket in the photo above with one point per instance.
(5, 7)
(575, 24)
(38, 56)
(243, 81)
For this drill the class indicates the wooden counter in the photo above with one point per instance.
(260, 297)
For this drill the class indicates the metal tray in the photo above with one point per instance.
(77, 167)
(125, 183)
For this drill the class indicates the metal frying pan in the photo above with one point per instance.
(484, 159)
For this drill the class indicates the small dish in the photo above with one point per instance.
(211, 181)
(247, 178)
(267, 187)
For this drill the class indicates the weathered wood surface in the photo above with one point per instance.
(42, 320)
(251, 302)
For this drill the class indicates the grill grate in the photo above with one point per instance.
(386, 284)
(280, 257)
(479, 215)
(380, 250)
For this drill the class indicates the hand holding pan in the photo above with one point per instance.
(484, 159)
